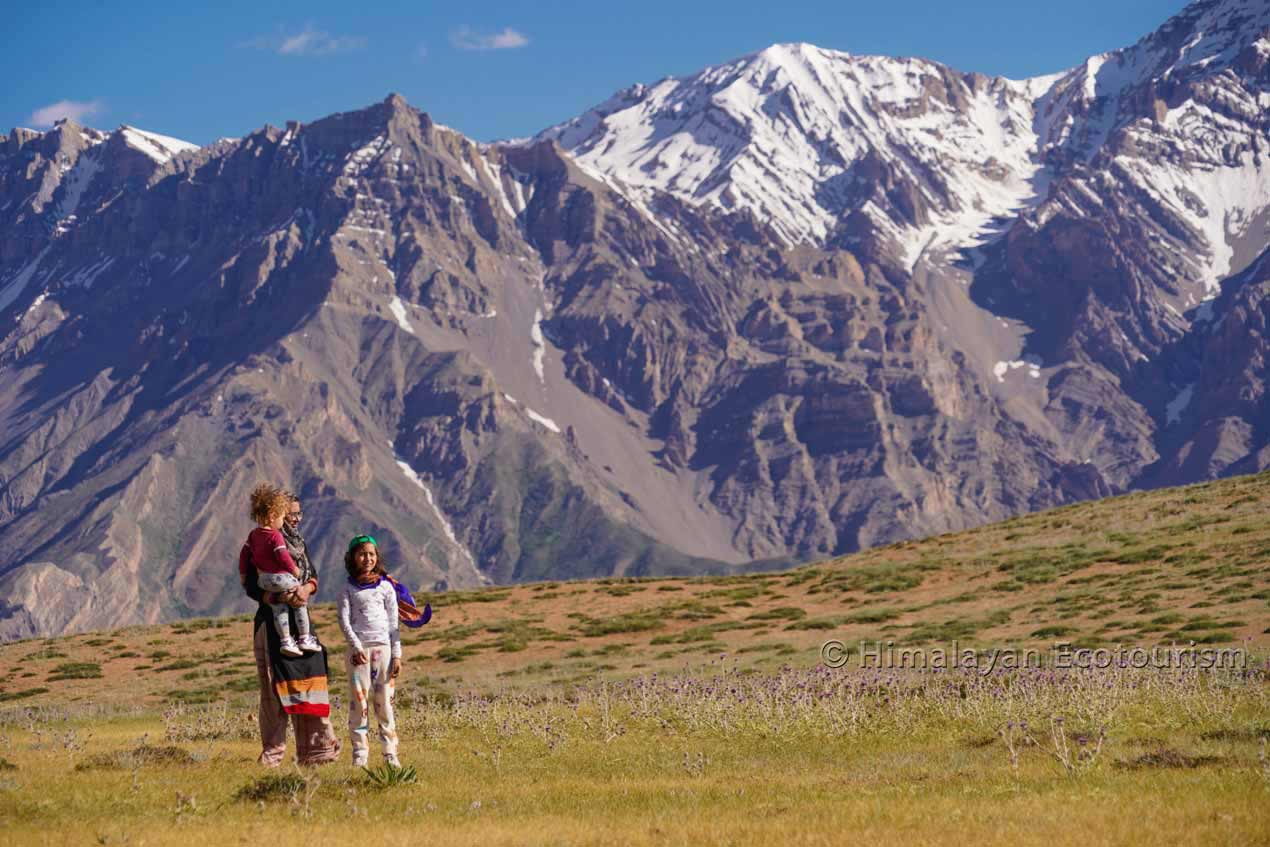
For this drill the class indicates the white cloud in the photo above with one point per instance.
(465, 38)
(306, 42)
(73, 109)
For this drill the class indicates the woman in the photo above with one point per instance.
(302, 679)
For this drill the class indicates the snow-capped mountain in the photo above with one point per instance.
(802, 137)
(1180, 116)
(1097, 209)
(794, 305)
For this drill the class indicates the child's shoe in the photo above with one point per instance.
(309, 644)
(359, 761)
(289, 648)
(393, 760)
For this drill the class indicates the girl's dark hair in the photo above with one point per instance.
(350, 563)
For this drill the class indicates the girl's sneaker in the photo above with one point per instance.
(393, 760)
(289, 648)
(360, 761)
(309, 644)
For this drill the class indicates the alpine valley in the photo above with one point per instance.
(792, 306)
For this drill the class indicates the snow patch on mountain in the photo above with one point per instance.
(539, 345)
(160, 148)
(74, 183)
(1032, 363)
(1214, 191)
(9, 291)
(362, 158)
(446, 526)
(398, 310)
(542, 419)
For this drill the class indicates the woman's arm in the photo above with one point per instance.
(310, 587)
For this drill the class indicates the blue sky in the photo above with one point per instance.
(492, 69)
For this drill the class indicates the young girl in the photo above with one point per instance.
(368, 617)
(277, 572)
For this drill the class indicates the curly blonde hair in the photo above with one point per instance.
(267, 501)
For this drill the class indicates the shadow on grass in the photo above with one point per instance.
(1168, 758)
(275, 786)
(145, 754)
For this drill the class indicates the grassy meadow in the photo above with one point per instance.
(698, 711)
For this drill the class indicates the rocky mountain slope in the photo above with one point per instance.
(792, 306)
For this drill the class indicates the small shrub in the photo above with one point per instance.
(640, 621)
(622, 590)
(872, 616)
(75, 670)
(695, 610)
(1052, 631)
(457, 654)
(780, 613)
(1212, 636)
(277, 786)
(8, 696)
(389, 775)
(194, 696)
(815, 624)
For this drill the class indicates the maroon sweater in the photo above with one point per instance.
(267, 550)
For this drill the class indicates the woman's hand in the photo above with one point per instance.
(394, 668)
(358, 657)
(299, 596)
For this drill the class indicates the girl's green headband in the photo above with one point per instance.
(359, 540)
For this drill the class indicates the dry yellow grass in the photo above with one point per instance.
(635, 790)
(1158, 567)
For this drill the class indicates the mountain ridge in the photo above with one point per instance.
(512, 364)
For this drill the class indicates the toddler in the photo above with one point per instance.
(277, 572)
